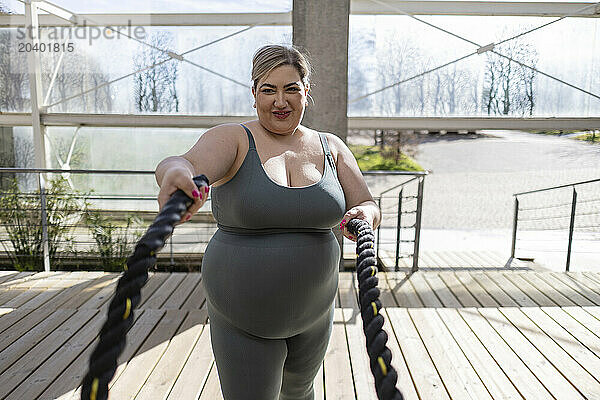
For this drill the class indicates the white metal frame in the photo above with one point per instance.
(38, 119)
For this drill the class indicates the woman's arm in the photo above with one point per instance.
(213, 155)
(359, 201)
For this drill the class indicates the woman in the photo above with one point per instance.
(270, 271)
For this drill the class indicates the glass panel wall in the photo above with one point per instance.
(401, 54)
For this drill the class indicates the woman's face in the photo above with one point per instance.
(280, 100)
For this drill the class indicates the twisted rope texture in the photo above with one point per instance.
(103, 360)
(366, 269)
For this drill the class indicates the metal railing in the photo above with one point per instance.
(401, 212)
(80, 248)
(80, 229)
(552, 210)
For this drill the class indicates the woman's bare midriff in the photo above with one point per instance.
(288, 161)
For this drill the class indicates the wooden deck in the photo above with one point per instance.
(465, 327)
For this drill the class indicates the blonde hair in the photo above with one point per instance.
(271, 56)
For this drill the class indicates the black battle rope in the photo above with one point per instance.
(103, 361)
(366, 269)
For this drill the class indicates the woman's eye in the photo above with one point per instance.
(267, 91)
(294, 89)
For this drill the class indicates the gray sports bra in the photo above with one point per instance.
(251, 202)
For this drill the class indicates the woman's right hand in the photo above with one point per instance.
(181, 178)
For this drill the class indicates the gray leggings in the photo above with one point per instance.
(255, 368)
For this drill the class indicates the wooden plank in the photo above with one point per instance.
(212, 389)
(338, 375)
(23, 326)
(161, 294)
(511, 289)
(137, 335)
(183, 291)
(478, 292)
(424, 375)
(584, 286)
(90, 291)
(195, 372)
(430, 261)
(427, 262)
(548, 290)
(594, 311)
(460, 380)
(494, 290)
(535, 361)
(364, 383)
(494, 379)
(319, 383)
(37, 382)
(20, 370)
(104, 295)
(67, 294)
(580, 379)
(6, 276)
(481, 260)
(404, 292)
(66, 385)
(565, 290)
(441, 290)
(465, 298)
(26, 279)
(584, 280)
(575, 360)
(576, 323)
(161, 380)
(464, 261)
(520, 376)
(155, 280)
(19, 277)
(128, 384)
(7, 295)
(15, 347)
(532, 292)
(359, 360)
(593, 277)
(423, 290)
(197, 299)
(9, 320)
(5, 310)
(405, 383)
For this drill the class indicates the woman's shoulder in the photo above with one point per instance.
(335, 143)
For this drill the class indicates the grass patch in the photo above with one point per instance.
(371, 158)
(555, 132)
(589, 137)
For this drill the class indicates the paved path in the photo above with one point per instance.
(468, 200)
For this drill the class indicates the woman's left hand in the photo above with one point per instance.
(354, 212)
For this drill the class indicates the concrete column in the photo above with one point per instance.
(321, 28)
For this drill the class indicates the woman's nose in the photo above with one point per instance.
(280, 100)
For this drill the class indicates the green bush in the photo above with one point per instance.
(20, 214)
(114, 242)
(371, 158)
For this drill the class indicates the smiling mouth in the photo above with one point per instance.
(281, 114)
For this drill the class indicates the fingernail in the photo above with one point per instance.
(187, 217)
(201, 196)
(195, 193)
(343, 221)
(206, 189)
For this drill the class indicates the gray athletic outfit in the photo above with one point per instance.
(270, 274)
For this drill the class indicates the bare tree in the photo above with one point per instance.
(13, 74)
(76, 73)
(509, 86)
(155, 88)
(399, 60)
